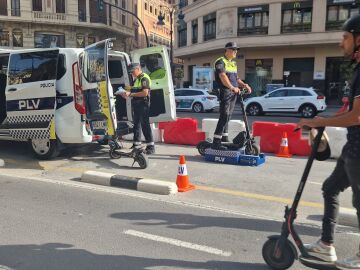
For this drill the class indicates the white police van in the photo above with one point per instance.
(54, 97)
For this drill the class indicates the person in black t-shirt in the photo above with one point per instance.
(347, 171)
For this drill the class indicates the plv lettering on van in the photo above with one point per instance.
(30, 104)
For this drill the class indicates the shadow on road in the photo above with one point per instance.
(58, 256)
(190, 222)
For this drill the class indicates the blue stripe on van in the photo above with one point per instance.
(47, 103)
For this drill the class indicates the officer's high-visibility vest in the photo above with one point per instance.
(137, 87)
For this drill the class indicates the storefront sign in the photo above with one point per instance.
(332, 2)
(286, 73)
(253, 9)
(202, 77)
(319, 75)
(297, 5)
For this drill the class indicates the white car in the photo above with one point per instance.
(306, 101)
(197, 100)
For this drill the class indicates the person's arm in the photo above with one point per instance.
(346, 119)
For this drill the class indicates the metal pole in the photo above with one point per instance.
(171, 44)
(146, 36)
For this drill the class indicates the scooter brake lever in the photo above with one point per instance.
(304, 127)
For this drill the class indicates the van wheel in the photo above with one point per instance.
(44, 149)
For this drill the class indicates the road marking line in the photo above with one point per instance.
(178, 243)
(315, 183)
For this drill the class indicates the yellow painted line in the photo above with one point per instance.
(257, 196)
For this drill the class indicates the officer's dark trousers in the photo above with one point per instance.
(345, 174)
(227, 105)
(141, 122)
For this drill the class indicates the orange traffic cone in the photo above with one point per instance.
(182, 180)
(284, 147)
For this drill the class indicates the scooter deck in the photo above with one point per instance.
(317, 264)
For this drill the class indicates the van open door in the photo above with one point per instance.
(31, 95)
(156, 63)
(98, 92)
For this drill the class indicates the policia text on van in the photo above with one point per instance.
(54, 97)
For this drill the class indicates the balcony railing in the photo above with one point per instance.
(334, 25)
(45, 16)
(305, 27)
(209, 36)
(182, 43)
(253, 31)
(15, 12)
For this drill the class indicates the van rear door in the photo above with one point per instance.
(156, 63)
(31, 94)
(98, 93)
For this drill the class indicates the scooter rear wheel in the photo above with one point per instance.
(202, 146)
(142, 160)
(286, 259)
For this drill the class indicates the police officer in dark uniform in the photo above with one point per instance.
(228, 81)
(347, 171)
(140, 93)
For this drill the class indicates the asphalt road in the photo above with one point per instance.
(49, 225)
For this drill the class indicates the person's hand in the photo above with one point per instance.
(248, 88)
(127, 87)
(125, 94)
(311, 123)
(236, 90)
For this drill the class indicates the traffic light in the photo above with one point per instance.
(100, 5)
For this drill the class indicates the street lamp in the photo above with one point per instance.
(161, 17)
(100, 6)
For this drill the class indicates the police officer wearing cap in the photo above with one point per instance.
(140, 94)
(347, 170)
(227, 78)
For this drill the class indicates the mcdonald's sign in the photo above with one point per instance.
(297, 5)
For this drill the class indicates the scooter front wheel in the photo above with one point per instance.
(113, 154)
(202, 146)
(142, 160)
(252, 149)
(285, 260)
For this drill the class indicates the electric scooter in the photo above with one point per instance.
(244, 140)
(117, 149)
(278, 251)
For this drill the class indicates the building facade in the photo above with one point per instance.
(148, 11)
(281, 41)
(64, 23)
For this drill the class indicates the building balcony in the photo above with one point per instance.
(39, 16)
(253, 31)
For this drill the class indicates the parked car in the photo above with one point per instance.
(306, 101)
(197, 100)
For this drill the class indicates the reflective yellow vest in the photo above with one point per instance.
(137, 83)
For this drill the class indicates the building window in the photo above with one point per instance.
(194, 31)
(182, 34)
(43, 40)
(253, 20)
(17, 37)
(151, 9)
(155, 11)
(60, 6)
(123, 4)
(37, 5)
(4, 38)
(146, 6)
(82, 10)
(210, 26)
(183, 3)
(258, 73)
(80, 41)
(296, 17)
(3, 7)
(97, 16)
(123, 19)
(91, 40)
(338, 13)
(15, 7)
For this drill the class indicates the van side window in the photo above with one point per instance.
(153, 65)
(115, 69)
(61, 67)
(32, 67)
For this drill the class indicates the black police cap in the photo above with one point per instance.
(352, 25)
(231, 45)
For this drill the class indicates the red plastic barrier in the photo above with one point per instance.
(271, 135)
(182, 131)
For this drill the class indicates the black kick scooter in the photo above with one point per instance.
(278, 251)
(244, 138)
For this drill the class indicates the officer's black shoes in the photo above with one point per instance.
(218, 146)
(150, 149)
(225, 139)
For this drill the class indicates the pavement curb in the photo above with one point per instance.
(134, 183)
(348, 217)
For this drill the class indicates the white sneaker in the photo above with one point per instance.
(321, 251)
(352, 263)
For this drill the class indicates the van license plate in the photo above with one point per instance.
(98, 124)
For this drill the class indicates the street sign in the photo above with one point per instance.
(100, 5)
(286, 73)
